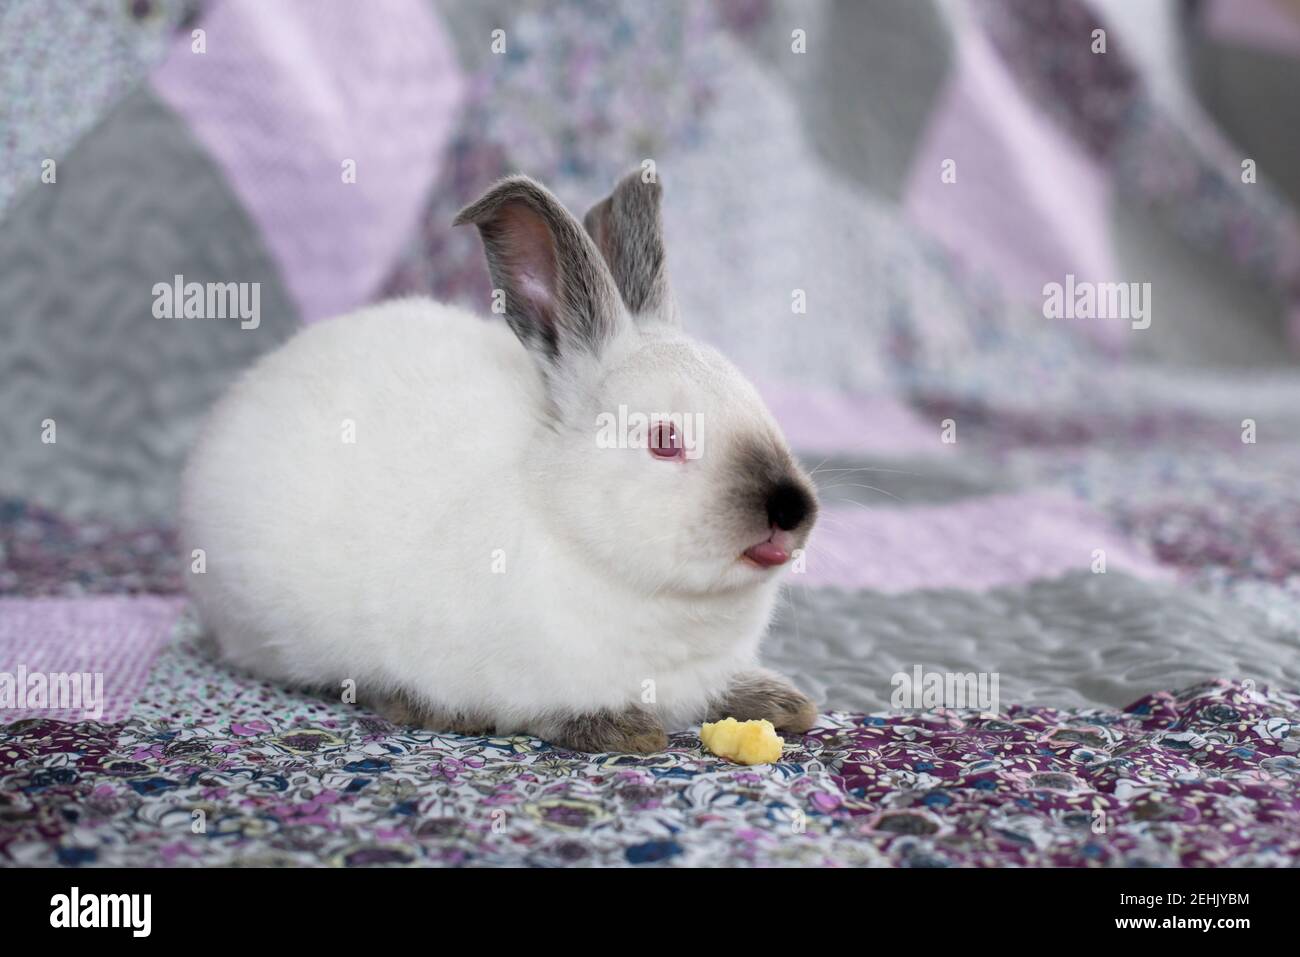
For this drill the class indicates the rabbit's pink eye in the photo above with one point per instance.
(665, 443)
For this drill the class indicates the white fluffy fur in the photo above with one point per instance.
(374, 561)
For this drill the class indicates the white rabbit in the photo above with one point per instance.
(408, 498)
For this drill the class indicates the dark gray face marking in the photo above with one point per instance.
(767, 487)
(787, 504)
(628, 230)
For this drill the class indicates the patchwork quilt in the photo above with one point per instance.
(1095, 518)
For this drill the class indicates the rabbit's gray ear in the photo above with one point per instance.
(628, 230)
(559, 297)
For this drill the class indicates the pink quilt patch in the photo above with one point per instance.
(975, 544)
(823, 420)
(330, 129)
(1263, 24)
(1011, 176)
(94, 653)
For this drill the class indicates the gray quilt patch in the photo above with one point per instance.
(883, 482)
(1080, 640)
(135, 204)
(905, 47)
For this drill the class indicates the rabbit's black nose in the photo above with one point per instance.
(788, 505)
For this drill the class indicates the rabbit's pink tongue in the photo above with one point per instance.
(767, 554)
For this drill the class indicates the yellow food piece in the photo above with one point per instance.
(745, 742)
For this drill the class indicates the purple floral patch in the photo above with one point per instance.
(42, 553)
(213, 769)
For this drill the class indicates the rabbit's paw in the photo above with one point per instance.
(401, 710)
(632, 730)
(762, 694)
